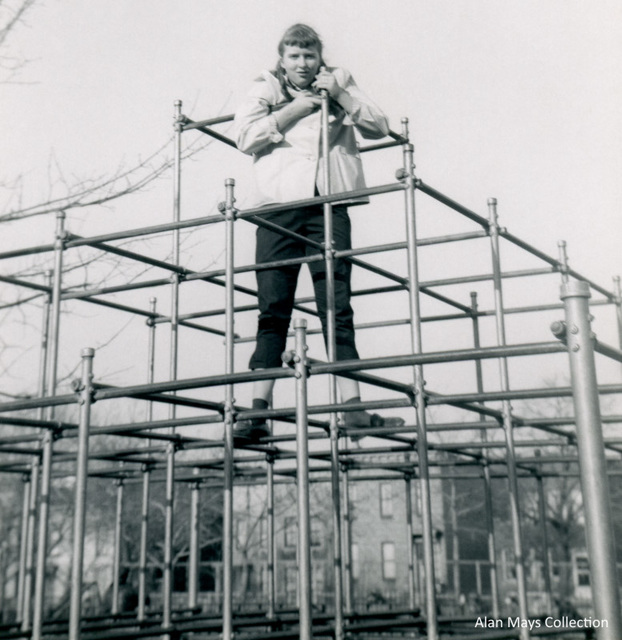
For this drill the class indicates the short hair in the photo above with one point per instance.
(300, 35)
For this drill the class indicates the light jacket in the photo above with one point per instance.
(288, 165)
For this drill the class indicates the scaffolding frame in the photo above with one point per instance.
(155, 459)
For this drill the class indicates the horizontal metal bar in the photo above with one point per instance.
(517, 394)
(191, 124)
(452, 204)
(307, 202)
(606, 350)
(485, 277)
(99, 291)
(380, 145)
(217, 136)
(147, 231)
(552, 261)
(192, 383)
(457, 355)
(455, 237)
(18, 253)
(26, 284)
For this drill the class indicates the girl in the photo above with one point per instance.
(285, 144)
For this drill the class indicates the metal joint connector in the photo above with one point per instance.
(559, 330)
(288, 358)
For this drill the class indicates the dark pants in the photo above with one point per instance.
(277, 287)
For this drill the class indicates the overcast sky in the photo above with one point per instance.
(519, 99)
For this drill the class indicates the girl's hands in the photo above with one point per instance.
(301, 106)
(305, 104)
(326, 80)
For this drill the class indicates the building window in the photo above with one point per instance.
(582, 569)
(291, 532)
(317, 532)
(386, 500)
(355, 565)
(389, 567)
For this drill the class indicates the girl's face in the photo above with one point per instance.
(300, 64)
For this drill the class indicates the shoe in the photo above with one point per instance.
(364, 420)
(246, 431)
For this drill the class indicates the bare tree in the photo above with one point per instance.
(12, 15)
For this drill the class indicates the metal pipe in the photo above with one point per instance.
(546, 567)
(412, 596)
(228, 471)
(167, 577)
(47, 441)
(146, 473)
(77, 563)
(302, 483)
(142, 559)
(508, 425)
(271, 542)
(193, 556)
(21, 571)
(331, 349)
(54, 331)
(347, 544)
(455, 551)
(592, 462)
(488, 509)
(116, 554)
(30, 544)
(45, 329)
(420, 396)
(492, 546)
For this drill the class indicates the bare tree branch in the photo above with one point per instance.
(88, 192)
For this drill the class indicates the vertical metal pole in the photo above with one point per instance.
(302, 484)
(82, 458)
(271, 539)
(116, 555)
(30, 544)
(492, 547)
(47, 441)
(146, 475)
(178, 124)
(167, 578)
(193, 558)
(508, 426)
(412, 603)
(419, 384)
(490, 524)
(142, 560)
(455, 541)
(592, 462)
(167, 582)
(227, 551)
(26, 610)
(331, 349)
(545, 540)
(23, 544)
(347, 542)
